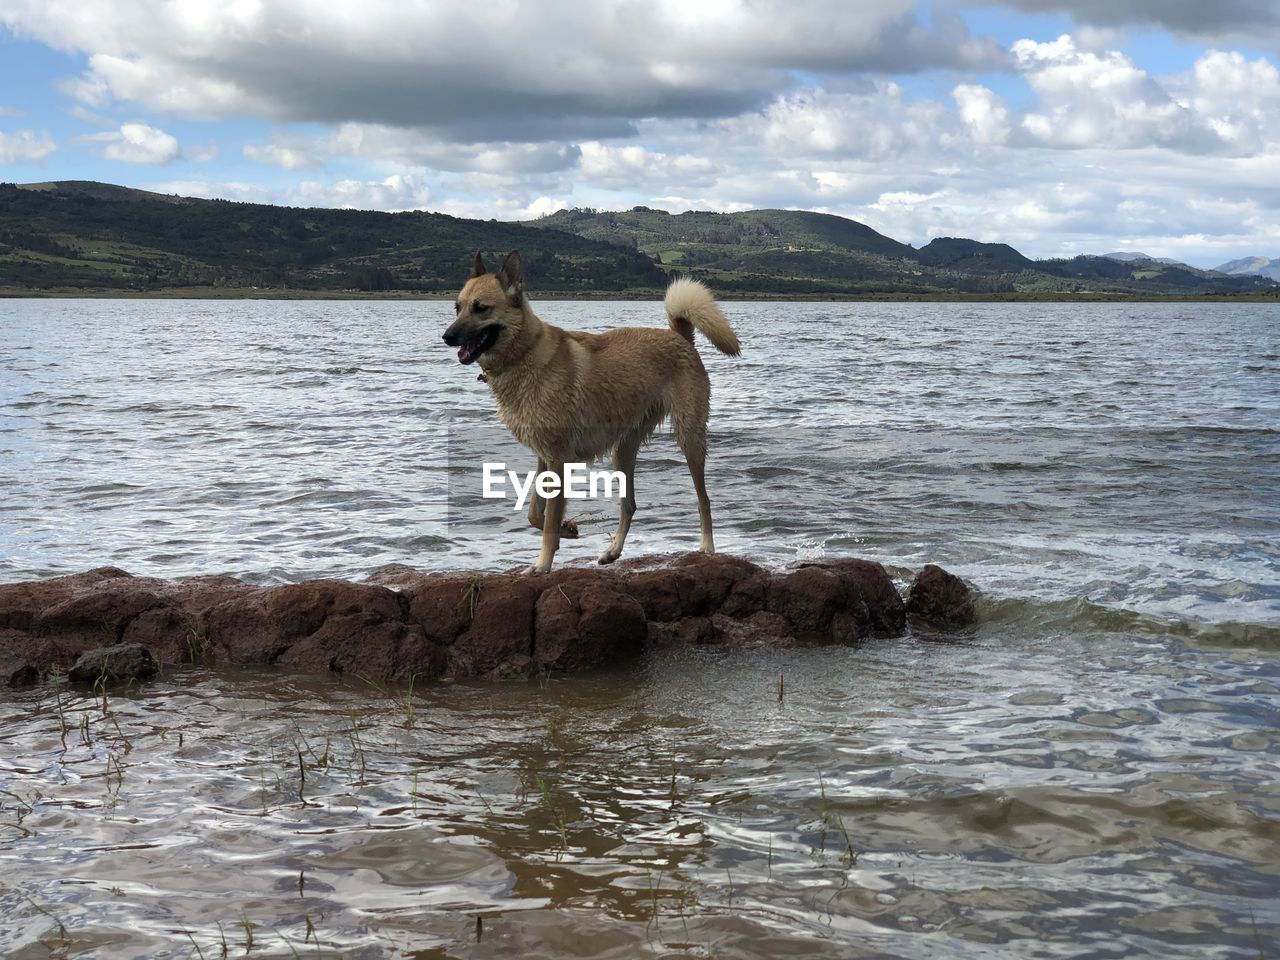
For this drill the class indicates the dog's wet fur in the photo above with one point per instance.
(575, 397)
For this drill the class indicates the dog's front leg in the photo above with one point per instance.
(551, 524)
(537, 506)
(538, 510)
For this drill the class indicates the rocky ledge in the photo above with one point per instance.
(402, 623)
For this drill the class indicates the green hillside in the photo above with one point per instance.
(84, 236)
(805, 253)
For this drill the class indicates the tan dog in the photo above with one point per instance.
(574, 397)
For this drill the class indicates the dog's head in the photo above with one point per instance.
(490, 311)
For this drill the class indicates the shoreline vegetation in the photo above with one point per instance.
(655, 293)
(88, 239)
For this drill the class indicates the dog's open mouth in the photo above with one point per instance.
(470, 351)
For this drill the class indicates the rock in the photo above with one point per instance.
(939, 600)
(586, 623)
(15, 671)
(401, 623)
(111, 665)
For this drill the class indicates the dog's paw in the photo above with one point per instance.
(608, 555)
(537, 569)
(569, 529)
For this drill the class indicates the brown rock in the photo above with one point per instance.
(15, 671)
(585, 623)
(837, 601)
(321, 625)
(116, 664)
(940, 600)
(402, 623)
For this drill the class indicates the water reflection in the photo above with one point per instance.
(1008, 795)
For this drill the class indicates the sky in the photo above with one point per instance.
(1059, 127)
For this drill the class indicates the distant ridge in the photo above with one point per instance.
(101, 191)
(1127, 255)
(85, 236)
(1252, 266)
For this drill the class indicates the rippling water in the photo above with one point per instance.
(1092, 772)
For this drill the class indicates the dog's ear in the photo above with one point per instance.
(511, 276)
(478, 268)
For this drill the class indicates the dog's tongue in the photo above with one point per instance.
(466, 353)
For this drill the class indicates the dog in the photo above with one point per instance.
(575, 397)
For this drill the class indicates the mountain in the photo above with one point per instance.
(794, 251)
(778, 251)
(1129, 255)
(656, 231)
(960, 254)
(80, 235)
(1252, 266)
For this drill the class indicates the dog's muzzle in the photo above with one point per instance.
(472, 345)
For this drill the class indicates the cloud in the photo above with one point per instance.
(209, 190)
(137, 143)
(282, 155)
(1092, 99)
(1251, 22)
(631, 165)
(408, 147)
(1237, 97)
(983, 112)
(510, 72)
(394, 193)
(25, 146)
(11, 111)
(876, 124)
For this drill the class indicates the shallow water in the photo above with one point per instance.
(1091, 772)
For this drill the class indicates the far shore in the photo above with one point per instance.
(289, 293)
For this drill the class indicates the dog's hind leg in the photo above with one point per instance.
(697, 463)
(551, 524)
(624, 461)
(690, 422)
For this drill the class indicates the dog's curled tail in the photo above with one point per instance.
(690, 307)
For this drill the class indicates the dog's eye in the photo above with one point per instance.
(479, 307)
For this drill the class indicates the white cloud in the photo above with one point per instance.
(209, 190)
(384, 143)
(550, 70)
(541, 207)
(137, 143)
(876, 124)
(1239, 98)
(11, 111)
(25, 146)
(983, 111)
(281, 155)
(394, 193)
(1089, 99)
(631, 165)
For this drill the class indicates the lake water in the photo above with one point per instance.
(1094, 771)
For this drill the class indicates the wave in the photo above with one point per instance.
(1080, 615)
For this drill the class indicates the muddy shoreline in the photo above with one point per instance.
(402, 624)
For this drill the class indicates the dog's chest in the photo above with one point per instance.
(540, 419)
